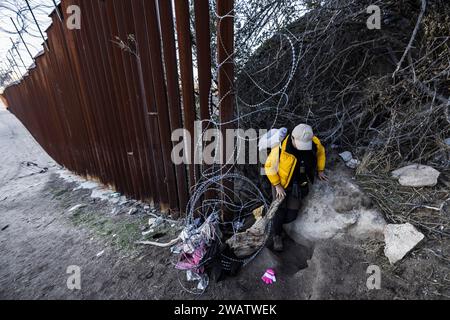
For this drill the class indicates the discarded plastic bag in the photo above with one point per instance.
(272, 138)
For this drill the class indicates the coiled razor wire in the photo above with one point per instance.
(198, 205)
(212, 179)
(205, 205)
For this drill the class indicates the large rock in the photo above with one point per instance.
(400, 240)
(417, 176)
(335, 209)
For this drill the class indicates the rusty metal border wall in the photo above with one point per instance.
(107, 114)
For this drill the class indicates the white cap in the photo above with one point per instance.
(303, 137)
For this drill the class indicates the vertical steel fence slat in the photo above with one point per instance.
(203, 40)
(110, 109)
(126, 30)
(225, 56)
(187, 80)
(154, 40)
(107, 112)
(173, 89)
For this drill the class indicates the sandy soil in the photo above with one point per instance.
(40, 239)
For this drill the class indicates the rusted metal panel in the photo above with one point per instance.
(203, 40)
(107, 113)
(225, 59)
(173, 89)
(110, 106)
(131, 145)
(154, 43)
(124, 21)
(187, 80)
(78, 87)
(96, 92)
(147, 95)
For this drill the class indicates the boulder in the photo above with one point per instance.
(348, 200)
(417, 176)
(316, 224)
(335, 209)
(400, 240)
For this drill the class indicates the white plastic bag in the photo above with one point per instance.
(272, 138)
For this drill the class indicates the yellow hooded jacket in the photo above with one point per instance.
(280, 164)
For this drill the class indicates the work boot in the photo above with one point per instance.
(278, 243)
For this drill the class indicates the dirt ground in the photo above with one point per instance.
(40, 239)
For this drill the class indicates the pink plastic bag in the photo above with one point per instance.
(191, 262)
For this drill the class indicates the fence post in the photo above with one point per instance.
(225, 60)
(187, 79)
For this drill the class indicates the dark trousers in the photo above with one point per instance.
(289, 209)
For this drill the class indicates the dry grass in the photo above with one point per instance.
(351, 87)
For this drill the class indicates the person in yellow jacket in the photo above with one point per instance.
(291, 169)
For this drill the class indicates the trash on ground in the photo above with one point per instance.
(346, 156)
(193, 246)
(155, 222)
(272, 138)
(350, 162)
(157, 226)
(208, 246)
(269, 277)
(75, 208)
(100, 253)
(34, 168)
(88, 185)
